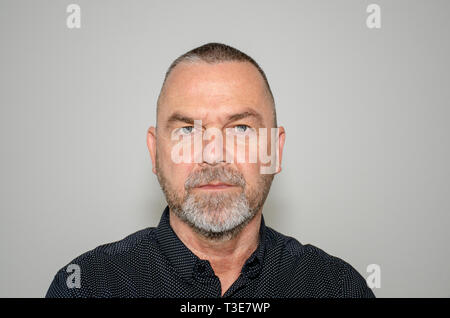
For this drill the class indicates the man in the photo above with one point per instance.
(212, 240)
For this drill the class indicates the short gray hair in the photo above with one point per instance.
(217, 53)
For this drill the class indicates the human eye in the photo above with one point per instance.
(242, 129)
(186, 130)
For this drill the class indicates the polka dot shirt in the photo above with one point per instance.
(154, 263)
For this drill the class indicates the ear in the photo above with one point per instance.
(281, 139)
(151, 144)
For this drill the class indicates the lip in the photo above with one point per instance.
(215, 186)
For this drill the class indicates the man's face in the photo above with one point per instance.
(216, 197)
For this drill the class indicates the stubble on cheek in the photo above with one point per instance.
(174, 198)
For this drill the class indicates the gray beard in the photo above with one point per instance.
(216, 216)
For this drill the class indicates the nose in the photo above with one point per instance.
(213, 147)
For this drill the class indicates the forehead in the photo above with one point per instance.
(222, 87)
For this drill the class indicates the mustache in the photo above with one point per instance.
(220, 174)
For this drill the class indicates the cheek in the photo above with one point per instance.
(175, 173)
(251, 174)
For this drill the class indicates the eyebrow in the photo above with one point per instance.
(180, 117)
(248, 113)
(189, 120)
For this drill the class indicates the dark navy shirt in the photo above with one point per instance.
(154, 263)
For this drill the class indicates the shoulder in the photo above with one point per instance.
(325, 275)
(100, 263)
(132, 244)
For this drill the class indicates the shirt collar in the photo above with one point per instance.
(188, 265)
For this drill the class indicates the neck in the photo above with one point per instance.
(225, 256)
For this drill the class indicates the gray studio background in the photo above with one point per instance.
(365, 173)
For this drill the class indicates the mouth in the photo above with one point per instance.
(216, 186)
